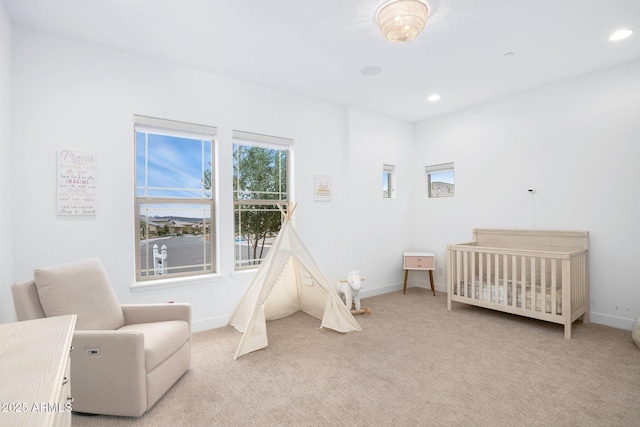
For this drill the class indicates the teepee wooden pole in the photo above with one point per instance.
(287, 215)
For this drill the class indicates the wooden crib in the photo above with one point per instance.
(532, 273)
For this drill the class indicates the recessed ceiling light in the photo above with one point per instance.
(620, 34)
(433, 98)
(371, 70)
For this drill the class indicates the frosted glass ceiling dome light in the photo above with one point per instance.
(402, 20)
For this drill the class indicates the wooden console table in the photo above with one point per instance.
(419, 261)
(34, 373)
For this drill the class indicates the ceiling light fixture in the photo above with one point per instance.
(402, 20)
(433, 98)
(620, 34)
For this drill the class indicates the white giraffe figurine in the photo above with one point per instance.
(350, 290)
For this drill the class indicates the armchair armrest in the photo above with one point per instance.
(108, 363)
(148, 313)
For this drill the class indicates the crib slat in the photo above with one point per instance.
(496, 278)
(465, 261)
(456, 283)
(523, 280)
(576, 279)
(554, 290)
(488, 287)
(582, 268)
(543, 285)
(480, 275)
(473, 275)
(532, 281)
(505, 280)
(514, 281)
(567, 304)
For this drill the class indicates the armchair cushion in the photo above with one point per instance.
(81, 288)
(161, 340)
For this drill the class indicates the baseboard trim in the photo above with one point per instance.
(367, 293)
(221, 321)
(613, 321)
(599, 318)
(210, 323)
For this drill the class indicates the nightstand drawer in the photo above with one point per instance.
(419, 262)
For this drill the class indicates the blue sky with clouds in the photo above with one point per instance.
(175, 166)
(170, 166)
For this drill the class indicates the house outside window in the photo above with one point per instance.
(174, 198)
(440, 180)
(261, 176)
(388, 181)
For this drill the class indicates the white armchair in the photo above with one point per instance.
(126, 357)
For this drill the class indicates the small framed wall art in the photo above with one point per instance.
(322, 188)
(76, 183)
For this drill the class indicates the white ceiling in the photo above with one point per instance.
(317, 48)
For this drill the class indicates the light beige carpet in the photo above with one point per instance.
(414, 364)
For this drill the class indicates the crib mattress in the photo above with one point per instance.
(487, 292)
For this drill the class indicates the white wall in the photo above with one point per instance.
(76, 95)
(6, 247)
(576, 143)
(379, 229)
(572, 141)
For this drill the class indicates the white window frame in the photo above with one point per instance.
(269, 142)
(444, 190)
(145, 273)
(389, 171)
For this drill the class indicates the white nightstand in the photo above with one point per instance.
(419, 261)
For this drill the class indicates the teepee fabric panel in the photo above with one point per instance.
(287, 281)
(312, 297)
(282, 299)
(256, 293)
(335, 316)
(255, 336)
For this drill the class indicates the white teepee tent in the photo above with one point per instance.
(287, 281)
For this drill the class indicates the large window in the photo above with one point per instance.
(175, 227)
(440, 180)
(261, 166)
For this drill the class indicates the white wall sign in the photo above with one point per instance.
(76, 183)
(321, 188)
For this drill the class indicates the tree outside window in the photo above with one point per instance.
(259, 185)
